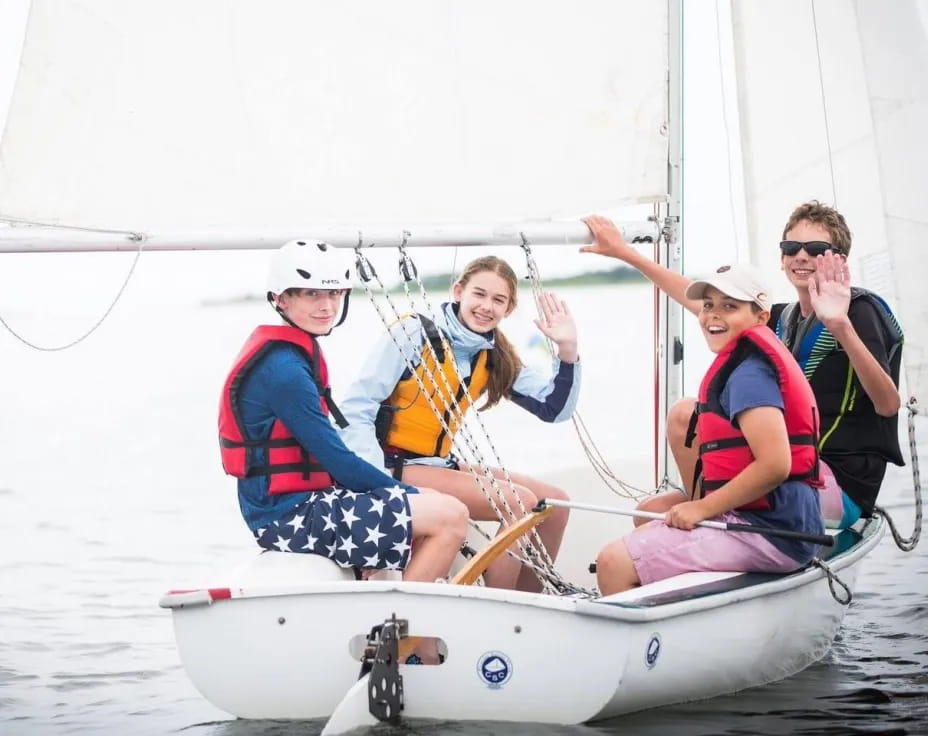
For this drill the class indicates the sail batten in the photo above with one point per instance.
(152, 116)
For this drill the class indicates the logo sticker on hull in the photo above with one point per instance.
(653, 650)
(495, 669)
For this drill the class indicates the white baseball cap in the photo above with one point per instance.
(740, 281)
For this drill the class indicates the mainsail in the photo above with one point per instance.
(132, 115)
(833, 104)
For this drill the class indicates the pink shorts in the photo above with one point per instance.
(838, 511)
(659, 551)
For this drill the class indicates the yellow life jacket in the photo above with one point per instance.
(407, 422)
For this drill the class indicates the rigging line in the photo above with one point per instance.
(531, 546)
(593, 454)
(130, 234)
(909, 543)
(93, 328)
(406, 262)
(545, 576)
(409, 271)
(731, 188)
(821, 84)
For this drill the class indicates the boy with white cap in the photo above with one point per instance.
(845, 339)
(757, 425)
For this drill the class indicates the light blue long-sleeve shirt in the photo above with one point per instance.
(552, 397)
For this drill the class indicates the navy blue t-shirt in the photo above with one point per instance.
(795, 505)
(280, 386)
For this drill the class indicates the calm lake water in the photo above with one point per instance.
(111, 494)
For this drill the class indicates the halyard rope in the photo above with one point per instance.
(844, 600)
(94, 327)
(593, 454)
(907, 545)
(408, 271)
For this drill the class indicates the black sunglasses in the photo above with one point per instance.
(813, 247)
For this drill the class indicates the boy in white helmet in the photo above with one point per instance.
(300, 488)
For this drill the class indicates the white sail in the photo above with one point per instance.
(238, 114)
(834, 106)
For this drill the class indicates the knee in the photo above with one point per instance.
(614, 571)
(678, 420)
(608, 556)
(456, 515)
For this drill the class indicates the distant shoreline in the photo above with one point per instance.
(442, 282)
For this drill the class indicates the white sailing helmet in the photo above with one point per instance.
(308, 264)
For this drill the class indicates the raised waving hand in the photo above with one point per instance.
(830, 288)
(557, 324)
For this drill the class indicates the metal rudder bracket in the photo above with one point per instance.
(381, 660)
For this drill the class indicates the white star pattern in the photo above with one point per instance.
(350, 517)
(349, 527)
(348, 545)
(400, 547)
(402, 518)
(374, 535)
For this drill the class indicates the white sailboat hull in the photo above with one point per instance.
(286, 652)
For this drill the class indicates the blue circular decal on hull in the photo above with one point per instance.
(495, 669)
(653, 651)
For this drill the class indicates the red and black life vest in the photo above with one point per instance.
(289, 466)
(723, 449)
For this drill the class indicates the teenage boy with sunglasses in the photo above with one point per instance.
(845, 339)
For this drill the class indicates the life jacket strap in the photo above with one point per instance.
(260, 444)
(333, 409)
(722, 444)
(399, 458)
(304, 468)
(691, 429)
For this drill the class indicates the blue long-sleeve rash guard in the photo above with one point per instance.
(281, 386)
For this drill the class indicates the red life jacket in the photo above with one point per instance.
(723, 449)
(290, 468)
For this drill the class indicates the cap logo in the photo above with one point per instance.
(723, 269)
